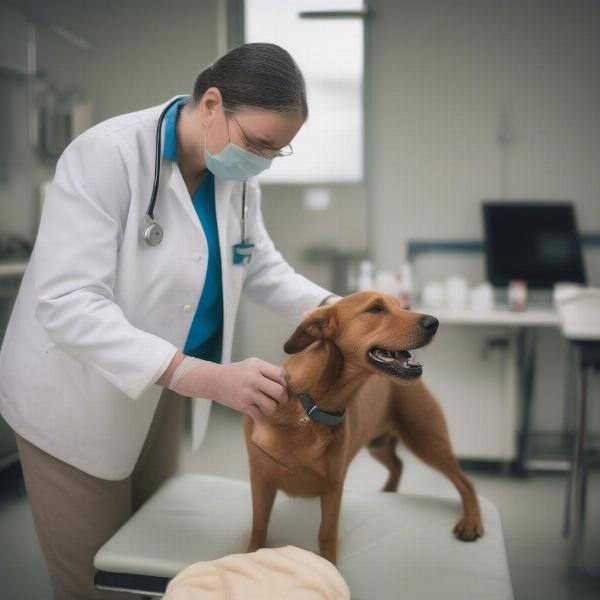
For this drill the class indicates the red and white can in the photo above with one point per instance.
(517, 294)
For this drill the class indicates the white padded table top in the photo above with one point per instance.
(391, 546)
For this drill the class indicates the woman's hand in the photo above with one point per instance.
(252, 386)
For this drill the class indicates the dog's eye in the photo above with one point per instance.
(376, 308)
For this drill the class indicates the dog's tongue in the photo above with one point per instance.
(400, 357)
(389, 356)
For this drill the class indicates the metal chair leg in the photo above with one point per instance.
(569, 407)
(577, 479)
(526, 341)
(583, 497)
(567, 512)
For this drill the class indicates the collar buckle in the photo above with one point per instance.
(316, 414)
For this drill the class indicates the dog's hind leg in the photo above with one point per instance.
(422, 426)
(383, 449)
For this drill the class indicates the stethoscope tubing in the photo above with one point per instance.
(158, 146)
(157, 160)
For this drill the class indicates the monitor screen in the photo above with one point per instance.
(534, 241)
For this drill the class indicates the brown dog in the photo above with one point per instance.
(349, 359)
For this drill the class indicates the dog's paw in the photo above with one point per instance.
(254, 547)
(468, 529)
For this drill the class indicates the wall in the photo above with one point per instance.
(442, 74)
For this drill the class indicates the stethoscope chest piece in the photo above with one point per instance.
(153, 232)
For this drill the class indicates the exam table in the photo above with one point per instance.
(391, 546)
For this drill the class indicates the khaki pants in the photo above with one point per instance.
(75, 513)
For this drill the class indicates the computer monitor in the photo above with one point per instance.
(534, 241)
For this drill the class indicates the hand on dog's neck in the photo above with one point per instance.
(321, 372)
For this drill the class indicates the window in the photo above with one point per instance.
(330, 53)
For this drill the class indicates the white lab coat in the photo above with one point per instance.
(100, 314)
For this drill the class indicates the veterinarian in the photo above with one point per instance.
(134, 270)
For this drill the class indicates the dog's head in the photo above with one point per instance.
(371, 331)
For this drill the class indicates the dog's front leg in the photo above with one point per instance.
(331, 501)
(263, 497)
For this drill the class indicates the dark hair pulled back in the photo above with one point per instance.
(256, 75)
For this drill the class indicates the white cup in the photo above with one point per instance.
(481, 297)
(434, 294)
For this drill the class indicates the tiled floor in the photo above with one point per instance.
(531, 511)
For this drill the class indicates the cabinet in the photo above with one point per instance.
(480, 367)
(472, 373)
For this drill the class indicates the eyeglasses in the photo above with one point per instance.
(257, 147)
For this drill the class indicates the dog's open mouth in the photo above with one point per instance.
(399, 363)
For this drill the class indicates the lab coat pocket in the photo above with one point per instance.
(239, 275)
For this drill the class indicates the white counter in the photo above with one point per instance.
(501, 315)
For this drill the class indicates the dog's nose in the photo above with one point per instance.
(429, 324)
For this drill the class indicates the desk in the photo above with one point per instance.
(524, 325)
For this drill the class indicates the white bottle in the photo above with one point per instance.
(366, 272)
(405, 288)
(385, 282)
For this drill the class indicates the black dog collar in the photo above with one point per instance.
(315, 413)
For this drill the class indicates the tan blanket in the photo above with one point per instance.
(287, 573)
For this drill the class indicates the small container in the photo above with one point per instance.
(405, 287)
(457, 292)
(434, 294)
(385, 282)
(366, 276)
(481, 297)
(517, 294)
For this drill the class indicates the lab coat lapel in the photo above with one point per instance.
(223, 195)
(201, 406)
(177, 186)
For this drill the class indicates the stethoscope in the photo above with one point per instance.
(153, 232)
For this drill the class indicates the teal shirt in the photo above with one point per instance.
(205, 336)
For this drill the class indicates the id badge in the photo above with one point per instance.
(242, 253)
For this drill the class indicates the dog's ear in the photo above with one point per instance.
(319, 324)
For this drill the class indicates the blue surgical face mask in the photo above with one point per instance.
(234, 162)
